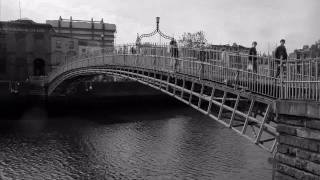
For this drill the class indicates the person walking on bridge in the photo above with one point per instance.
(202, 59)
(253, 56)
(225, 65)
(281, 56)
(174, 48)
(174, 52)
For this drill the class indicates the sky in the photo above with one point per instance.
(223, 21)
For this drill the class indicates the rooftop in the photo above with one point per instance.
(24, 23)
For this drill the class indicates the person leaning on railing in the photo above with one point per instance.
(281, 57)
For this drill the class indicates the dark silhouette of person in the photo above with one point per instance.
(174, 48)
(133, 50)
(281, 55)
(253, 56)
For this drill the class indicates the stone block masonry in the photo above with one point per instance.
(298, 150)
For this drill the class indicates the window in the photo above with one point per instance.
(38, 67)
(83, 43)
(38, 36)
(20, 35)
(71, 45)
(58, 44)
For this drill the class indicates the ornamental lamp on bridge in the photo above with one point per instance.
(158, 20)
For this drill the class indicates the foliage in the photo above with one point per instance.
(195, 40)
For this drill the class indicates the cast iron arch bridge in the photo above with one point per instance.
(218, 84)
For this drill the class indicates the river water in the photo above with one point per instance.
(132, 139)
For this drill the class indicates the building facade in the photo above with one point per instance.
(307, 51)
(25, 49)
(29, 49)
(230, 48)
(91, 35)
(62, 48)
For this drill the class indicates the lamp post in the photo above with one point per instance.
(102, 39)
(158, 20)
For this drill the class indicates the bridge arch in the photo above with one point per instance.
(219, 102)
(78, 73)
(218, 84)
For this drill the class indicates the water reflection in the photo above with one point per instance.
(127, 143)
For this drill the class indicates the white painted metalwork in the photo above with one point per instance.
(179, 77)
(297, 79)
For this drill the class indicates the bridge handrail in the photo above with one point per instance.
(287, 79)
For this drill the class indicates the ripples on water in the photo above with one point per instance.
(155, 140)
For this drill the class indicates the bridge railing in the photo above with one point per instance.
(289, 79)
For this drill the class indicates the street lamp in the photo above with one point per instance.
(102, 39)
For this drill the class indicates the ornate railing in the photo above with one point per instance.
(294, 79)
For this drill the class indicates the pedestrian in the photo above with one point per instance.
(281, 56)
(171, 46)
(253, 56)
(174, 48)
(202, 58)
(224, 60)
(174, 52)
(225, 65)
(133, 50)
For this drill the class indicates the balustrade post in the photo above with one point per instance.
(281, 80)
(103, 53)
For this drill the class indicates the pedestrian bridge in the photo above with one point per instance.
(218, 84)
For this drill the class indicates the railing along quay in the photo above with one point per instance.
(9, 86)
(292, 79)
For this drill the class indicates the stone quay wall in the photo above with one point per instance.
(298, 150)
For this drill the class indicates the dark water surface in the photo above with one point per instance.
(135, 139)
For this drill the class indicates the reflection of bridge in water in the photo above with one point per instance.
(215, 83)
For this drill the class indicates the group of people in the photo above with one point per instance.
(280, 55)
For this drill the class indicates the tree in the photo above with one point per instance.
(193, 40)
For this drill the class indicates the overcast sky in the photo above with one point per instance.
(223, 21)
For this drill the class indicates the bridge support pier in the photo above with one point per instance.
(298, 151)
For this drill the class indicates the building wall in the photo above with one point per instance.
(3, 56)
(307, 52)
(298, 150)
(22, 42)
(233, 48)
(62, 48)
(90, 33)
